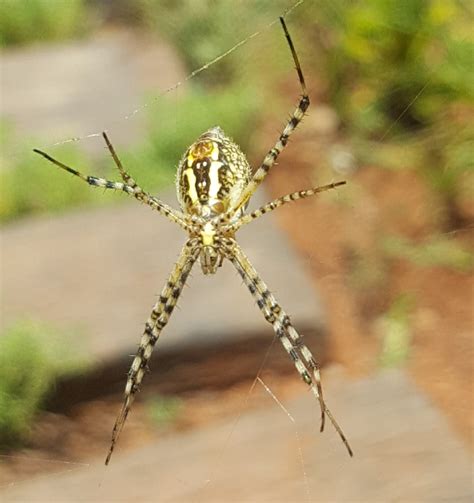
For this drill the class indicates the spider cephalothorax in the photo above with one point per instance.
(214, 185)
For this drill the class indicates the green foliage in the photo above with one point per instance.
(31, 185)
(438, 251)
(32, 357)
(394, 329)
(23, 21)
(164, 410)
(392, 63)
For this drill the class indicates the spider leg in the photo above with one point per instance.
(276, 203)
(288, 336)
(158, 319)
(132, 190)
(291, 125)
(125, 176)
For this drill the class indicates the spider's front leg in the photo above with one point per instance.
(286, 333)
(130, 187)
(158, 319)
(297, 116)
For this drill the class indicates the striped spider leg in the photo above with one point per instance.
(158, 319)
(129, 186)
(291, 340)
(295, 119)
(214, 184)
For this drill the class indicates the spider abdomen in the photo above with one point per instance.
(211, 174)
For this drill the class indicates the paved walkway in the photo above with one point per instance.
(56, 92)
(404, 451)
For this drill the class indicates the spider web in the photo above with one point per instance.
(299, 452)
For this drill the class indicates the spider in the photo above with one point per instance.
(214, 185)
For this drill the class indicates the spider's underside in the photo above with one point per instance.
(214, 185)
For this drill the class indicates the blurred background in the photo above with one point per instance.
(377, 275)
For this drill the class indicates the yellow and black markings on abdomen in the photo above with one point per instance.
(212, 174)
(206, 180)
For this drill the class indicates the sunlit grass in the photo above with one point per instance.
(26, 21)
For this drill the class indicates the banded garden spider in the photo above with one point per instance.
(214, 184)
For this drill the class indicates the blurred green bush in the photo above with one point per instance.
(391, 63)
(26, 21)
(30, 185)
(32, 357)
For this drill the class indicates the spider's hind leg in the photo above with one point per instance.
(158, 319)
(300, 354)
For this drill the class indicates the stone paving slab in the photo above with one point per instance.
(101, 271)
(59, 91)
(404, 451)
